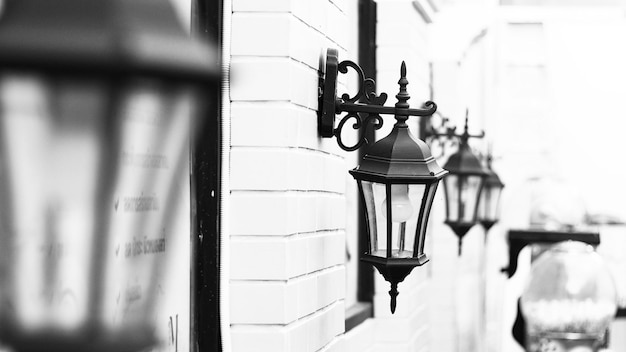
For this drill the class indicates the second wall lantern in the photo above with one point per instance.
(463, 187)
(397, 177)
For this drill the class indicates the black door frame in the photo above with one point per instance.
(206, 22)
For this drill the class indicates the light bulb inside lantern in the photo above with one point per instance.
(401, 208)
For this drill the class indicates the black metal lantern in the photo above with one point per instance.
(463, 188)
(97, 105)
(488, 205)
(397, 177)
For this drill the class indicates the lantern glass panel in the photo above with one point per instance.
(462, 193)
(90, 173)
(488, 205)
(405, 206)
(423, 220)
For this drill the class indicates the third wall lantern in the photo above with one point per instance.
(397, 177)
(488, 207)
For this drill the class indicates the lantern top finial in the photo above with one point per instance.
(403, 97)
(400, 156)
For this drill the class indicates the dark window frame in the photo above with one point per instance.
(363, 309)
(205, 335)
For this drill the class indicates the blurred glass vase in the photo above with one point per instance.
(569, 300)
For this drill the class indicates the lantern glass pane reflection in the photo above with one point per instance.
(462, 194)
(409, 208)
(86, 177)
(488, 206)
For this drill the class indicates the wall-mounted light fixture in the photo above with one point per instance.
(488, 206)
(464, 185)
(397, 177)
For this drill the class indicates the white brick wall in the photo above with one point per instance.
(287, 202)
(288, 185)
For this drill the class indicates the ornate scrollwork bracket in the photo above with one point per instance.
(363, 114)
(444, 133)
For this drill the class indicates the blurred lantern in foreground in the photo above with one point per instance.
(97, 99)
(569, 301)
(488, 205)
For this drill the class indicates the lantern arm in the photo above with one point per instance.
(365, 107)
(446, 132)
(518, 239)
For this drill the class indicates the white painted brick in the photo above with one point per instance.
(304, 86)
(256, 338)
(276, 35)
(325, 326)
(263, 213)
(315, 259)
(307, 295)
(331, 212)
(316, 167)
(250, 122)
(309, 334)
(260, 79)
(331, 285)
(306, 44)
(336, 26)
(261, 34)
(307, 210)
(341, 4)
(282, 302)
(361, 337)
(333, 246)
(297, 334)
(273, 79)
(260, 259)
(286, 169)
(311, 12)
(307, 132)
(296, 256)
(325, 250)
(334, 177)
(262, 302)
(280, 124)
(262, 169)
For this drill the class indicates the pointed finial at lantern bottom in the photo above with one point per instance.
(460, 246)
(403, 69)
(393, 293)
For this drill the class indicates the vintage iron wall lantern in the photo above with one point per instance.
(488, 205)
(97, 100)
(464, 184)
(397, 177)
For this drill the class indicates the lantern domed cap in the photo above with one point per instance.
(464, 162)
(493, 180)
(96, 37)
(400, 157)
